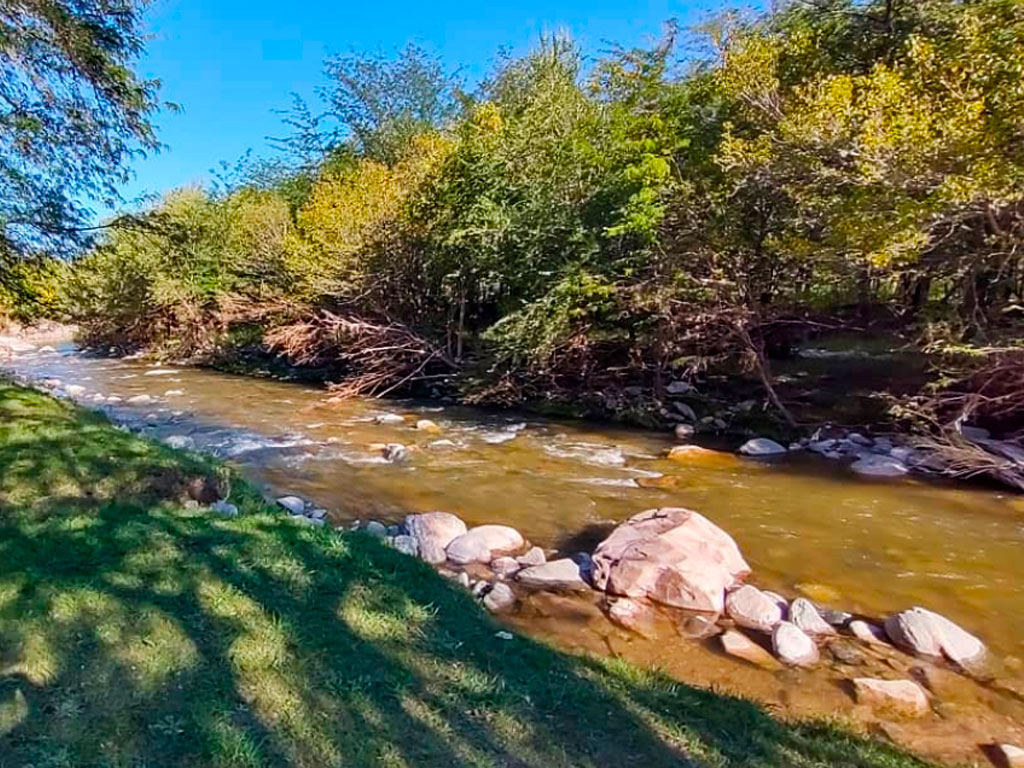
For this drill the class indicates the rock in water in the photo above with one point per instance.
(872, 634)
(499, 598)
(1011, 755)
(803, 613)
(557, 574)
(751, 608)
(632, 615)
(672, 556)
(426, 425)
(695, 456)
(389, 418)
(483, 543)
(762, 446)
(293, 504)
(742, 647)
(793, 646)
(433, 531)
(901, 697)
(926, 633)
(879, 466)
(394, 452)
(533, 556)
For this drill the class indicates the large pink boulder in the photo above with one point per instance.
(673, 556)
(434, 531)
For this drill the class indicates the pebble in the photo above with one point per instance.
(504, 635)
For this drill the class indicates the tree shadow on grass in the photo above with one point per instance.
(135, 633)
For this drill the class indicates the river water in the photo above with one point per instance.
(805, 524)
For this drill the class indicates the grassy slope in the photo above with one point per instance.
(134, 632)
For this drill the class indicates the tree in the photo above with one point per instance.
(73, 113)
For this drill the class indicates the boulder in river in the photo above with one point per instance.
(793, 646)
(900, 697)
(563, 574)
(762, 446)
(926, 633)
(805, 615)
(749, 607)
(483, 543)
(672, 556)
(433, 532)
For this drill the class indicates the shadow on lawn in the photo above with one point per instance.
(137, 634)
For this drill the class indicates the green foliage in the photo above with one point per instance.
(833, 155)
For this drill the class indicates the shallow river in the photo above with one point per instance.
(805, 524)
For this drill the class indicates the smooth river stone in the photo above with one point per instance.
(793, 646)
(483, 543)
(879, 466)
(562, 574)
(293, 504)
(926, 633)
(742, 647)
(762, 446)
(872, 634)
(433, 532)
(900, 697)
(749, 607)
(803, 613)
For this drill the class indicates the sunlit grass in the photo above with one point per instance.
(137, 632)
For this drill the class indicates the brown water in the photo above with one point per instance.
(805, 524)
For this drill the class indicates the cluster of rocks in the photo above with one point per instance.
(872, 456)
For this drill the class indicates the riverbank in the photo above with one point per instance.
(138, 627)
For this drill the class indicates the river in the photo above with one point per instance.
(805, 524)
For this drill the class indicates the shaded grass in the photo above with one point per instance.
(137, 632)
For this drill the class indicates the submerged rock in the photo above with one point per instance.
(926, 633)
(482, 543)
(749, 607)
(762, 446)
(634, 615)
(389, 418)
(563, 574)
(793, 646)
(737, 644)
(433, 532)
(426, 425)
(694, 455)
(901, 697)
(672, 556)
(879, 466)
(803, 613)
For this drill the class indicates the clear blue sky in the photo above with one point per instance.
(231, 63)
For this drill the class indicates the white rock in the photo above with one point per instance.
(389, 418)
(761, 446)
(483, 543)
(749, 607)
(433, 532)
(793, 646)
(161, 372)
(557, 574)
(224, 509)
(426, 425)
(926, 633)
(499, 598)
(74, 390)
(533, 556)
(140, 400)
(901, 697)
(180, 442)
(868, 633)
(1012, 755)
(779, 600)
(377, 529)
(293, 504)
(879, 466)
(803, 613)
(503, 635)
(407, 545)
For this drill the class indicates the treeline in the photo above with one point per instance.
(572, 223)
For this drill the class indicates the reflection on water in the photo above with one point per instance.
(803, 523)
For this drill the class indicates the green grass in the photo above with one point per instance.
(137, 632)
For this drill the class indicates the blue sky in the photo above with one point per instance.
(231, 63)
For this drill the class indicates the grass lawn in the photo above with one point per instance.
(137, 632)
